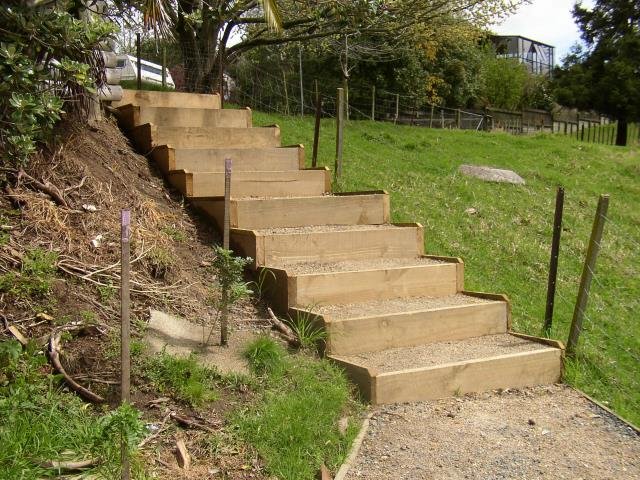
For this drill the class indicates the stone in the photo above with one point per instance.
(490, 174)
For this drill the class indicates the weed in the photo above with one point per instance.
(306, 328)
(35, 278)
(88, 316)
(106, 293)
(265, 356)
(183, 377)
(260, 284)
(160, 262)
(175, 234)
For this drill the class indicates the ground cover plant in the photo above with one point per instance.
(503, 232)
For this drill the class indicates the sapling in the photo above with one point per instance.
(228, 270)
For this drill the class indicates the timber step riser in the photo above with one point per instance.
(310, 182)
(131, 116)
(253, 214)
(243, 159)
(148, 136)
(306, 291)
(517, 370)
(331, 246)
(409, 329)
(168, 99)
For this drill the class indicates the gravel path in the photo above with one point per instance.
(443, 352)
(549, 432)
(396, 305)
(352, 266)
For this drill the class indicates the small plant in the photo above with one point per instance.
(175, 234)
(88, 316)
(183, 377)
(262, 278)
(35, 278)
(306, 329)
(228, 270)
(10, 351)
(106, 293)
(265, 356)
(160, 262)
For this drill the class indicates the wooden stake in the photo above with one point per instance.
(339, 132)
(458, 118)
(224, 313)
(373, 103)
(125, 359)
(553, 266)
(582, 134)
(164, 66)
(139, 64)
(587, 274)
(431, 118)
(301, 84)
(395, 120)
(227, 202)
(316, 130)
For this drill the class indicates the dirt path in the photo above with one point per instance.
(543, 432)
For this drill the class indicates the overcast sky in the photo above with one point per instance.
(547, 21)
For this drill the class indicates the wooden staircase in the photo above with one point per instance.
(398, 321)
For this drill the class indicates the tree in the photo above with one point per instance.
(204, 30)
(611, 66)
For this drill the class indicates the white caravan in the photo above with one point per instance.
(150, 72)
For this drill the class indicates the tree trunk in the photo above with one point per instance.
(621, 133)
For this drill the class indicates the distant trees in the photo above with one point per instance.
(605, 77)
(203, 30)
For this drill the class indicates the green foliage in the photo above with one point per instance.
(34, 279)
(294, 423)
(503, 83)
(160, 262)
(157, 87)
(10, 351)
(183, 377)
(46, 58)
(39, 423)
(265, 356)
(305, 326)
(106, 293)
(176, 234)
(261, 283)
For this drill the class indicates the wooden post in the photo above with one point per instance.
(164, 66)
(125, 328)
(301, 84)
(224, 313)
(316, 130)
(458, 118)
(587, 274)
(373, 103)
(286, 93)
(553, 265)
(339, 132)
(139, 63)
(431, 118)
(565, 127)
(582, 134)
(395, 120)
(441, 118)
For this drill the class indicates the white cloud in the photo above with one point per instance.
(548, 21)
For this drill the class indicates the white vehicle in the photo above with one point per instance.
(150, 72)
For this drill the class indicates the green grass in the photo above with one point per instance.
(506, 244)
(294, 422)
(39, 422)
(133, 85)
(35, 277)
(183, 377)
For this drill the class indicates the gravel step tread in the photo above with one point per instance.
(396, 305)
(325, 229)
(309, 268)
(441, 353)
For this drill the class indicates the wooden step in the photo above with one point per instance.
(366, 208)
(444, 369)
(149, 135)
(130, 116)
(330, 243)
(168, 99)
(310, 182)
(308, 286)
(243, 159)
(408, 322)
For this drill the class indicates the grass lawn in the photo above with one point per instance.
(506, 243)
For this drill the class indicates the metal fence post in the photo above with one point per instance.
(339, 132)
(553, 265)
